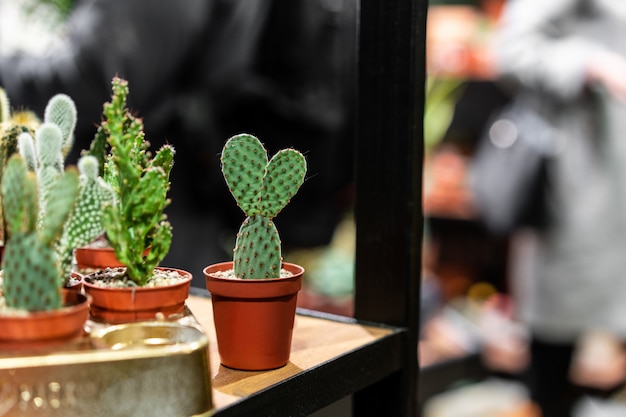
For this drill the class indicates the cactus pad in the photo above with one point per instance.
(61, 111)
(284, 176)
(257, 251)
(31, 277)
(244, 164)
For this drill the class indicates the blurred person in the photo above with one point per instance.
(573, 52)
(200, 71)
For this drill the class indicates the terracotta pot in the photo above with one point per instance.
(122, 305)
(94, 258)
(253, 317)
(44, 326)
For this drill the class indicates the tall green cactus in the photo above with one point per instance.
(136, 221)
(262, 189)
(32, 275)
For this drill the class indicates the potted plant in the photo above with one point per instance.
(135, 224)
(35, 307)
(44, 153)
(254, 295)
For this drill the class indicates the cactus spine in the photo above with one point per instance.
(137, 220)
(262, 189)
(32, 275)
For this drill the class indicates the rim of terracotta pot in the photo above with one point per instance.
(252, 288)
(140, 298)
(59, 324)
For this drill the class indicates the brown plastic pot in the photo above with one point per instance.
(253, 317)
(95, 258)
(47, 326)
(123, 305)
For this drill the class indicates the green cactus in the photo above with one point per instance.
(61, 110)
(136, 221)
(85, 222)
(262, 189)
(32, 275)
(5, 107)
(99, 149)
(45, 154)
(11, 126)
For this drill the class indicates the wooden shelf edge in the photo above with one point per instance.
(330, 380)
(326, 383)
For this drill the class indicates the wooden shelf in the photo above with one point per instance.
(324, 347)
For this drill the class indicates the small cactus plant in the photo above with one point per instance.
(85, 222)
(32, 276)
(262, 189)
(136, 221)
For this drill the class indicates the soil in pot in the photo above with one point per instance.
(116, 299)
(253, 318)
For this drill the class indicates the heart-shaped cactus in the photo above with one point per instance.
(262, 189)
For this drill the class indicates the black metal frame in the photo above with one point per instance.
(389, 215)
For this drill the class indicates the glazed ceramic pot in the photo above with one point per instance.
(253, 318)
(47, 326)
(128, 304)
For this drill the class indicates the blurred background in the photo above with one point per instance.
(284, 70)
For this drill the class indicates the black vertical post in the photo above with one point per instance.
(389, 219)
